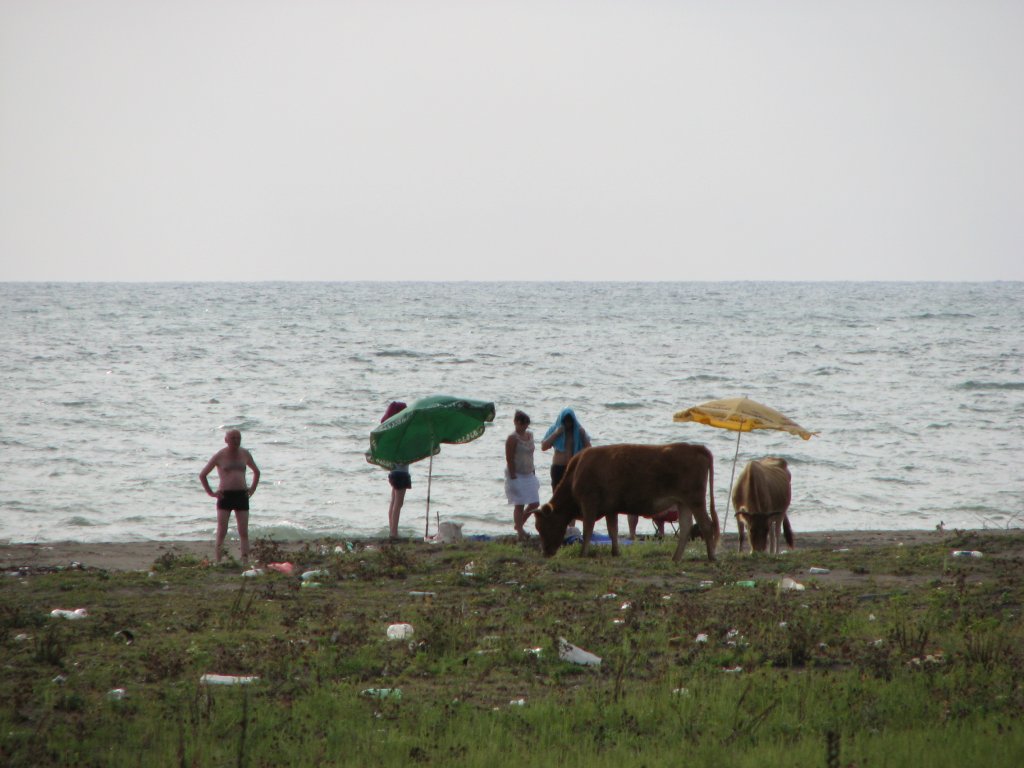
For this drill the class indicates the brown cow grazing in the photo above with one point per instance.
(636, 480)
(761, 498)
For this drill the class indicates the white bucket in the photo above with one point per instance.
(449, 533)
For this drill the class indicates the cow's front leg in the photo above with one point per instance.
(612, 520)
(741, 528)
(588, 531)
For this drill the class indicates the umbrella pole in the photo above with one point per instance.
(728, 499)
(430, 474)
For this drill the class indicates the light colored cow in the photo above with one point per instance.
(761, 499)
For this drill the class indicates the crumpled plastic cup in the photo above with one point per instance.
(788, 583)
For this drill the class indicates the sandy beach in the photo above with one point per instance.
(131, 556)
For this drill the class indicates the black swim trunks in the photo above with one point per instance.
(234, 500)
(399, 479)
(557, 470)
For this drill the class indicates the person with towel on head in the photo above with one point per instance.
(568, 437)
(522, 488)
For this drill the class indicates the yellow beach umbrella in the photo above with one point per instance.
(740, 414)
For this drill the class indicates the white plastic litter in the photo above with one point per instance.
(732, 670)
(75, 615)
(571, 653)
(116, 694)
(818, 571)
(517, 703)
(382, 693)
(967, 553)
(252, 572)
(227, 679)
(788, 583)
(400, 632)
(313, 575)
(424, 595)
(701, 638)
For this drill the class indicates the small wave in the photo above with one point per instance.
(622, 406)
(943, 316)
(705, 377)
(996, 385)
(79, 522)
(398, 353)
(828, 371)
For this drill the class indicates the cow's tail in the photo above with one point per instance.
(786, 530)
(711, 497)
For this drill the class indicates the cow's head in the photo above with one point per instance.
(759, 527)
(551, 525)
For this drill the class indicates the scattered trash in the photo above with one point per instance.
(126, 635)
(22, 638)
(400, 632)
(625, 606)
(286, 568)
(469, 569)
(227, 679)
(783, 624)
(252, 572)
(609, 596)
(842, 549)
(967, 553)
(680, 691)
(533, 651)
(517, 703)
(382, 693)
(571, 653)
(666, 598)
(310, 584)
(424, 595)
(732, 670)
(313, 575)
(59, 680)
(116, 694)
(748, 583)
(818, 571)
(78, 613)
(788, 583)
(872, 617)
(448, 532)
(618, 621)
(701, 638)
(706, 583)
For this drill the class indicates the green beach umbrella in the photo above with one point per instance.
(418, 432)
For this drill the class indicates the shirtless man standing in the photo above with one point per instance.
(232, 492)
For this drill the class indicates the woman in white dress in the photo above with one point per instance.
(522, 488)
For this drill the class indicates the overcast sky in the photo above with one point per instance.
(550, 140)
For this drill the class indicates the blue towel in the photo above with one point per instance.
(577, 432)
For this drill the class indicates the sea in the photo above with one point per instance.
(114, 395)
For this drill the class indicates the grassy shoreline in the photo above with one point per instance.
(900, 655)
